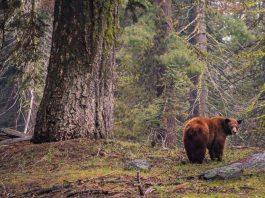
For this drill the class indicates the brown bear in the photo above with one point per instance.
(202, 132)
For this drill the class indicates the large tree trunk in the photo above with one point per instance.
(78, 96)
(199, 95)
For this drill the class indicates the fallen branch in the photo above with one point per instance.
(57, 188)
(149, 190)
(14, 140)
(41, 191)
(91, 192)
(114, 181)
(240, 147)
(12, 133)
(180, 186)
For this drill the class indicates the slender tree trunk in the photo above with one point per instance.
(78, 96)
(201, 41)
(166, 90)
(199, 95)
(30, 95)
(168, 119)
(18, 115)
(263, 14)
(28, 117)
(165, 27)
(193, 97)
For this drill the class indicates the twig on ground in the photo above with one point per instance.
(180, 186)
(90, 192)
(139, 184)
(41, 191)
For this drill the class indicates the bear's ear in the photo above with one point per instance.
(239, 121)
(227, 120)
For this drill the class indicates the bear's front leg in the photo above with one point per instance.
(212, 154)
(217, 150)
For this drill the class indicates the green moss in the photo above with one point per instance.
(45, 165)
(110, 23)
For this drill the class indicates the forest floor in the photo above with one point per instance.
(83, 168)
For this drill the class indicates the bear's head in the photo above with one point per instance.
(231, 126)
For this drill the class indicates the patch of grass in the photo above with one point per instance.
(101, 163)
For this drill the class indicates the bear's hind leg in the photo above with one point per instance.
(195, 142)
(199, 155)
(196, 154)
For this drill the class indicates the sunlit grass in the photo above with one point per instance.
(43, 165)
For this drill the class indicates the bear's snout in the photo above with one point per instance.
(234, 130)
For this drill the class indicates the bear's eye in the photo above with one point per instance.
(234, 126)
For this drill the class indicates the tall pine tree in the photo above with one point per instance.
(78, 96)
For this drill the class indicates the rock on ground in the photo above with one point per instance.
(234, 171)
(138, 164)
(225, 172)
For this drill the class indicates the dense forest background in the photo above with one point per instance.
(174, 60)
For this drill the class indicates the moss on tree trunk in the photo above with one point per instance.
(78, 96)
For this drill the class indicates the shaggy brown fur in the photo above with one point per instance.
(203, 133)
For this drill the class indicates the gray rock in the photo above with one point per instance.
(254, 162)
(138, 164)
(222, 173)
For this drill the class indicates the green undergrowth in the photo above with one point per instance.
(26, 166)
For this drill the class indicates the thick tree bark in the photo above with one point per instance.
(78, 96)
(199, 95)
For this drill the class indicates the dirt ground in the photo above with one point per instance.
(84, 168)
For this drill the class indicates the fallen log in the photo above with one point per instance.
(12, 133)
(10, 136)
(15, 140)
